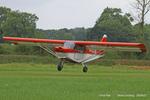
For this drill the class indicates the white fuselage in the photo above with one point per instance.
(79, 57)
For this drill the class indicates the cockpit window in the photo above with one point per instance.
(69, 44)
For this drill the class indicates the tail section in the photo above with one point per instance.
(104, 38)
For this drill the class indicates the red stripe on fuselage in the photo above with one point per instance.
(68, 50)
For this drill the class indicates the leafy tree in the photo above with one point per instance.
(15, 23)
(40, 34)
(79, 33)
(3, 15)
(68, 34)
(113, 23)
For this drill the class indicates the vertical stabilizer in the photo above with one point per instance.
(104, 38)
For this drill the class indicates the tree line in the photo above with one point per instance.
(113, 22)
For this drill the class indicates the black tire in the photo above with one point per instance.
(85, 69)
(60, 66)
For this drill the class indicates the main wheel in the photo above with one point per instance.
(60, 66)
(85, 69)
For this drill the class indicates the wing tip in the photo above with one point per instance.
(143, 48)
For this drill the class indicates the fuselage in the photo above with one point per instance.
(78, 53)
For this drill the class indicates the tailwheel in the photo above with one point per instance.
(60, 65)
(85, 68)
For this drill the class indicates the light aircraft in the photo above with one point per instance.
(77, 51)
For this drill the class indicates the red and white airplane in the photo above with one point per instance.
(77, 51)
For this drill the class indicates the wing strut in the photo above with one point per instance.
(49, 51)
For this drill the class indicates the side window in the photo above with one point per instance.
(80, 48)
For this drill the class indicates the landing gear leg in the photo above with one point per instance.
(60, 65)
(85, 68)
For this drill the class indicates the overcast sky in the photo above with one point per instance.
(56, 14)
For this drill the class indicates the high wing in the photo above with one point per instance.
(32, 40)
(120, 46)
(123, 46)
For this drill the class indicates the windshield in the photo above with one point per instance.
(69, 44)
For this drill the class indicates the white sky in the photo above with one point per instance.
(56, 14)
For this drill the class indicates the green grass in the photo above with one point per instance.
(42, 82)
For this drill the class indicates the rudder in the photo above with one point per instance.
(104, 38)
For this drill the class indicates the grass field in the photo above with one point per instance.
(43, 82)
